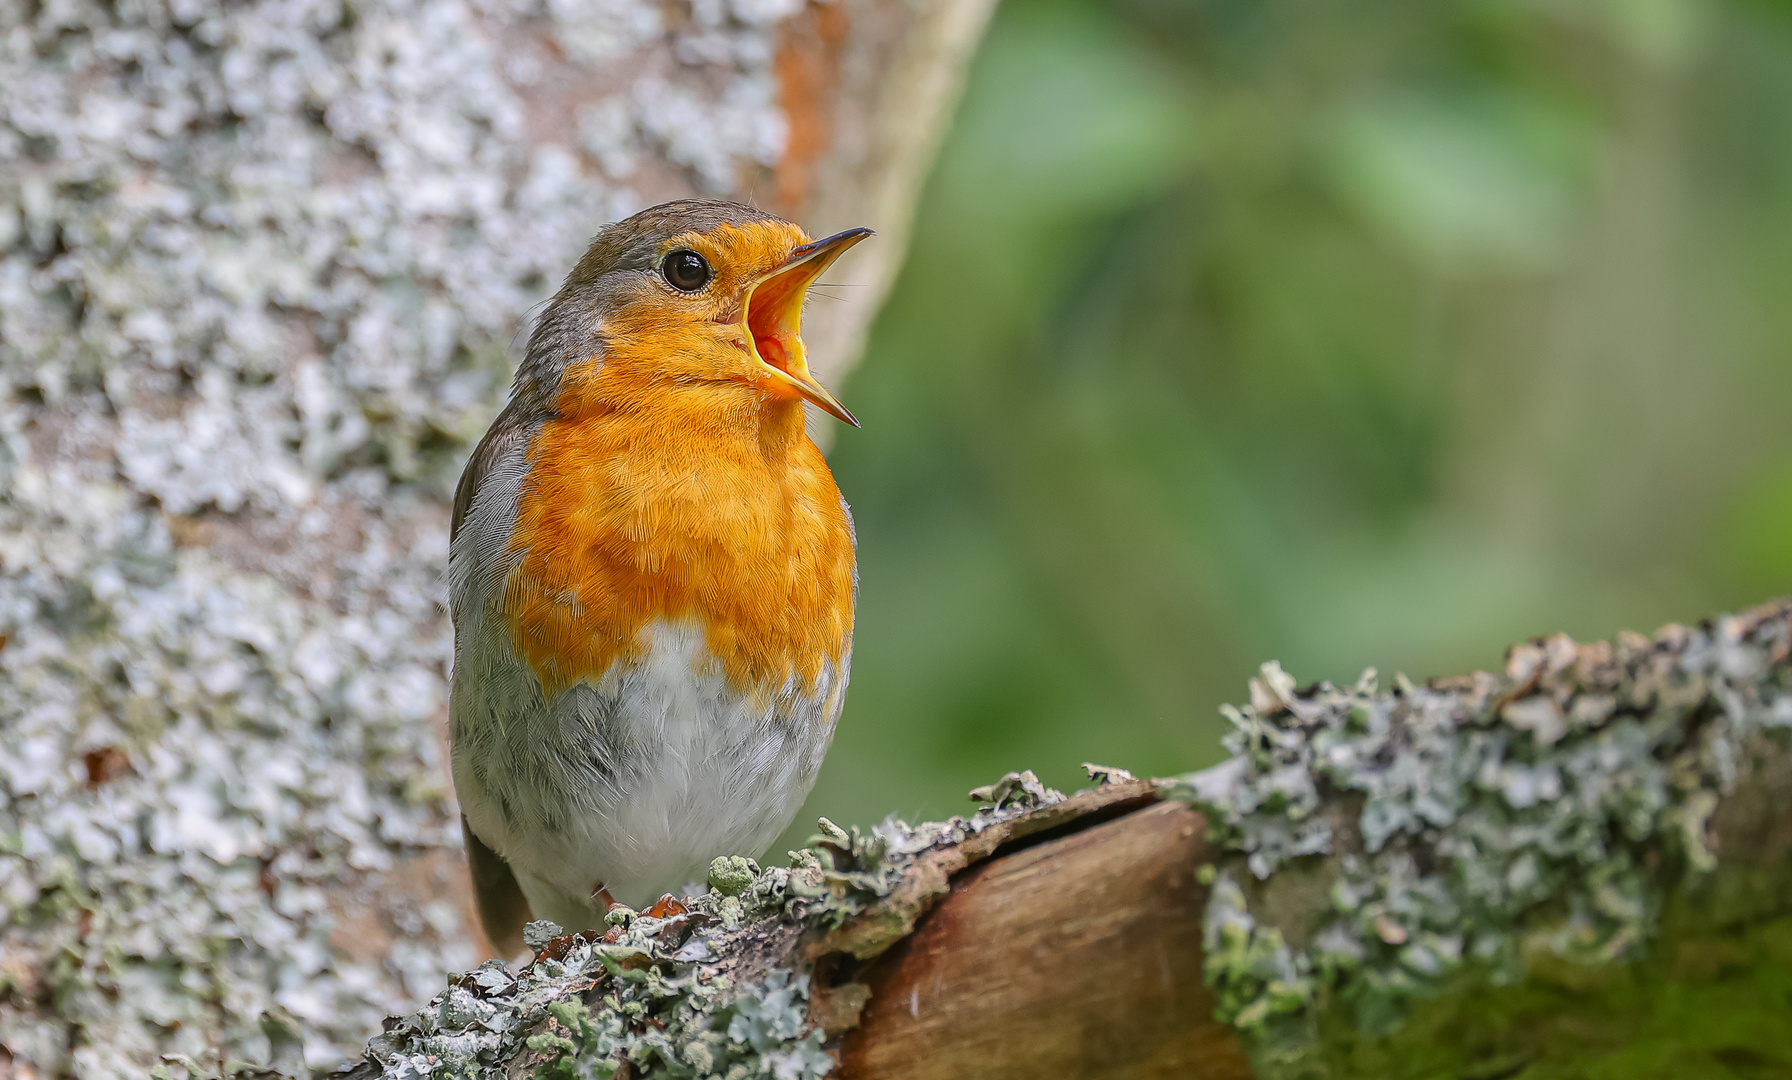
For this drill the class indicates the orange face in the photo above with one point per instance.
(725, 307)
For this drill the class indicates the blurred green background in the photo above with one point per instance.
(1385, 332)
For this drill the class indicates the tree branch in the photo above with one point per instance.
(1585, 856)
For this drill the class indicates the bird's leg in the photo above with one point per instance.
(560, 946)
(557, 948)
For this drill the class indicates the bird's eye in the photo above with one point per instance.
(686, 271)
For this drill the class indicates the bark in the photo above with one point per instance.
(1079, 956)
(1084, 955)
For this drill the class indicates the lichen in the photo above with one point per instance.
(683, 1032)
(261, 264)
(1457, 833)
(650, 992)
(711, 986)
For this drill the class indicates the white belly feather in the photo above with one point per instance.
(634, 782)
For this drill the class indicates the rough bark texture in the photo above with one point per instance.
(1083, 955)
(1078, 956)
(261, 265)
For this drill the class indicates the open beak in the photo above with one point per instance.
(774, 319)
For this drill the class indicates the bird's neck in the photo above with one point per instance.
(712, 411)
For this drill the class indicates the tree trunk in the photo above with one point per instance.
(261, 268)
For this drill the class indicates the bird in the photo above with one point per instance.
(652, 575)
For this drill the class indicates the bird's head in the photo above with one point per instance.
(702, 299)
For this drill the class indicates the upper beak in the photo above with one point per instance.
(773, 314)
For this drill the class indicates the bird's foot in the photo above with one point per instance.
(666, 907)
(681, 920)
(557, 948)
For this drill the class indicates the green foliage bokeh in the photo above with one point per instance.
(1381, 333)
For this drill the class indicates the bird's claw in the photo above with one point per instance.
(557, 948)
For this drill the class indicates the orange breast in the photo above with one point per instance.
(702, 503)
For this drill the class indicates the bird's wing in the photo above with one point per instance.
(506, 432)
(503, 909)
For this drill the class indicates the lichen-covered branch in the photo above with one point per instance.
(1582, 864)
(723, 984)
(1439, 842)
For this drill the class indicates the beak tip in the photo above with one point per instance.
(833, 408)
(830, 247)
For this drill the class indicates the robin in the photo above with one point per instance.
(651, 574)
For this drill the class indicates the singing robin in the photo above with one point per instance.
(651, 574)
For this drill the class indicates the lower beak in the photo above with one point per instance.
(773, 314)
